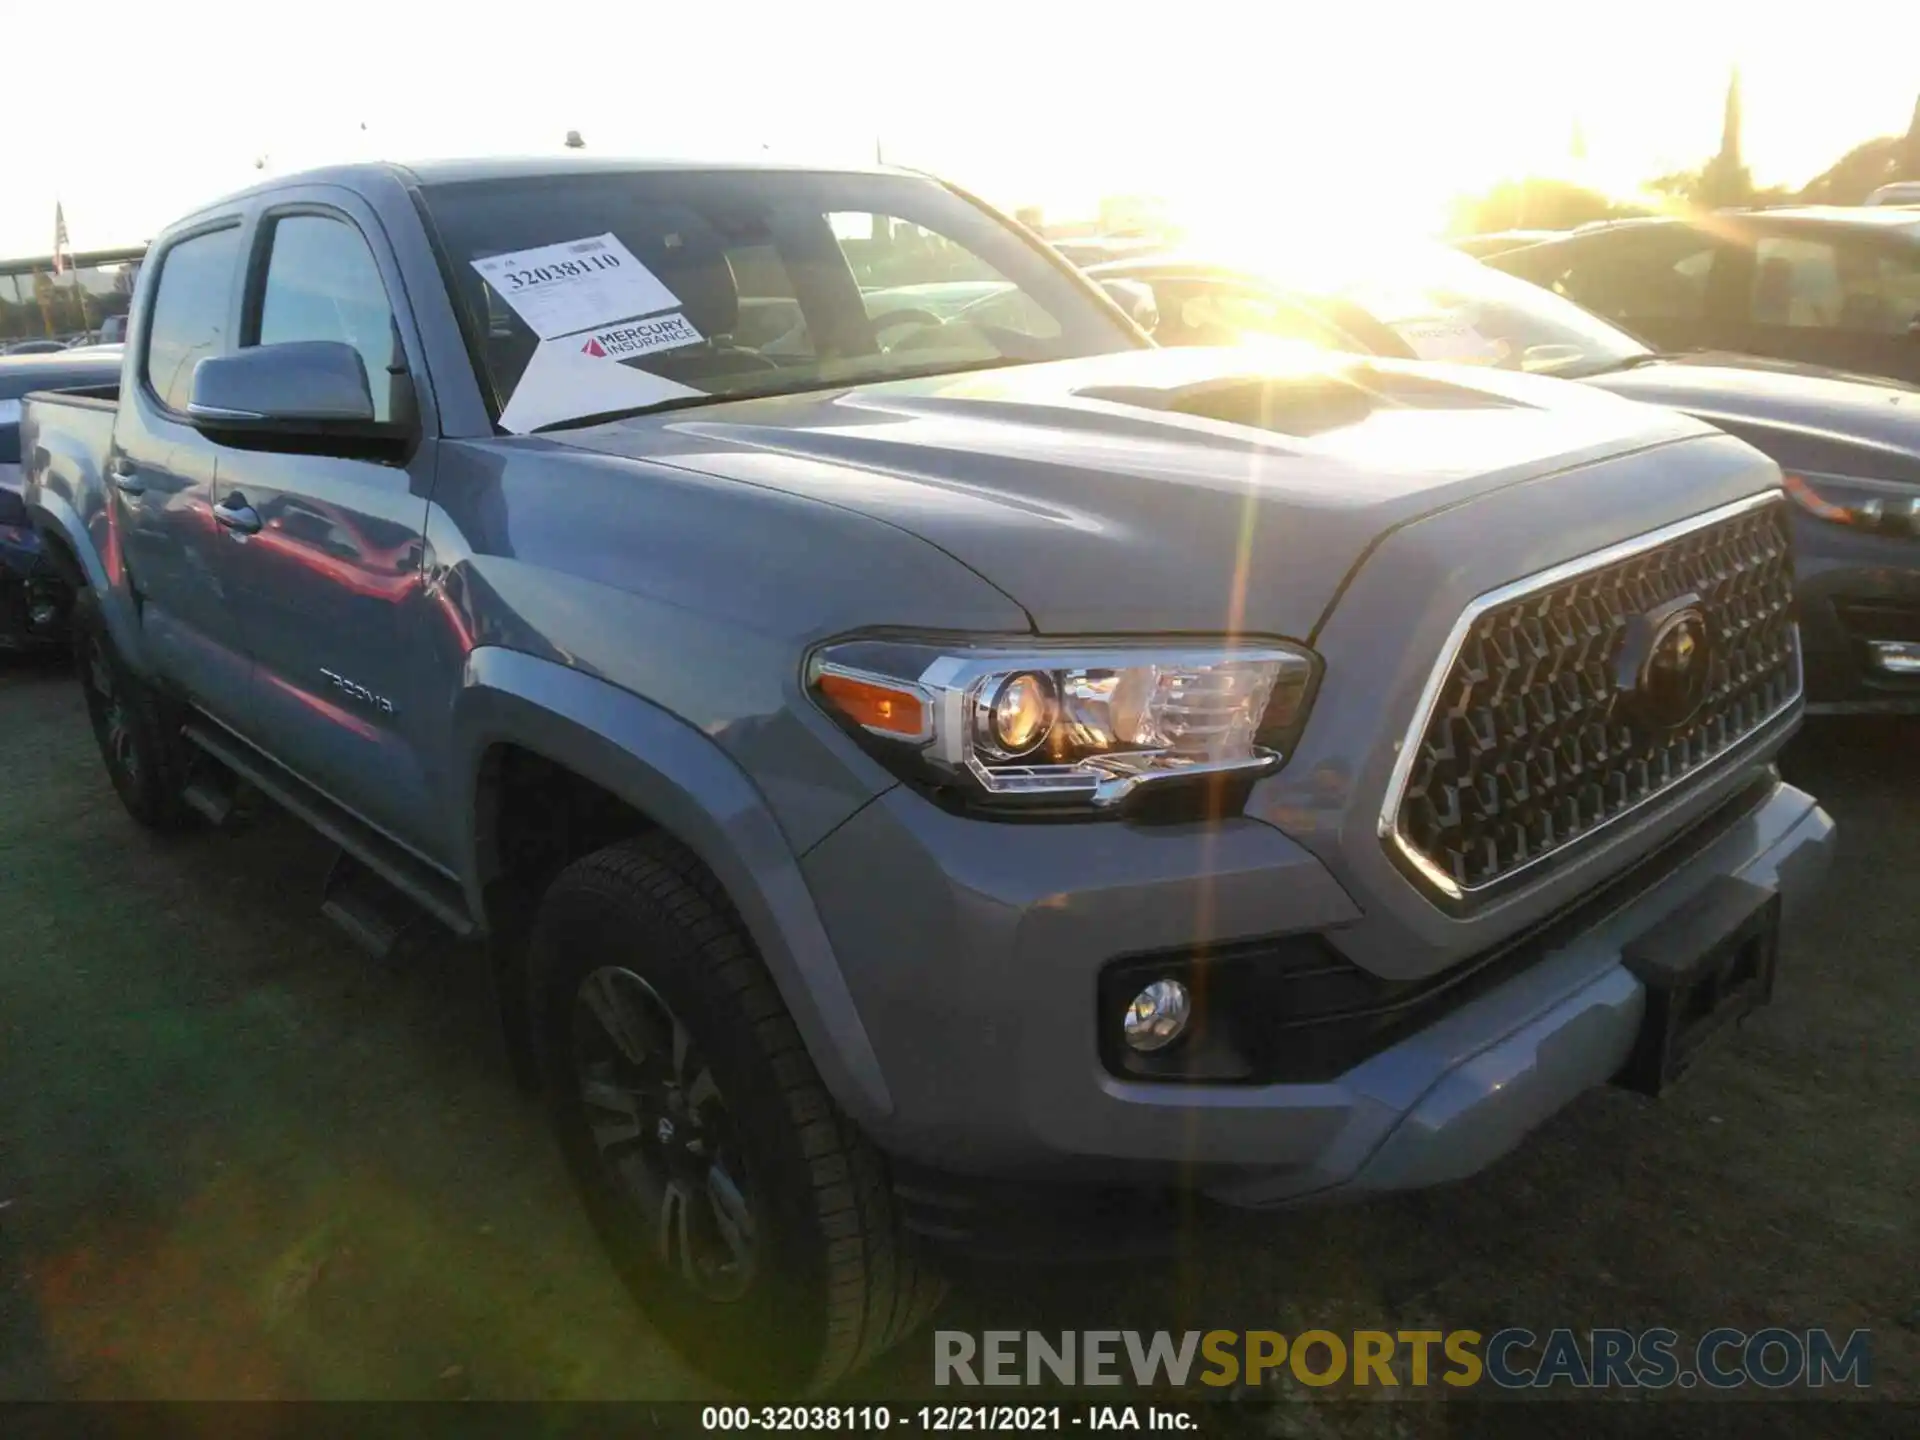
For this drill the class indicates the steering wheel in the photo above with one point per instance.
(893, 319)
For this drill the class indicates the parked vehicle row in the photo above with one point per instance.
(1820, 285)
(948, 760)
(34, 599)
(1850, 445)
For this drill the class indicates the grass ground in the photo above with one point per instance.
(239, 1159)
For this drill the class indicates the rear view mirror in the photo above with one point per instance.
(300, 394)
(1136, 297)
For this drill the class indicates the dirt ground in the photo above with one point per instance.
(239, 1159)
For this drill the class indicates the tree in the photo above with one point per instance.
(1857, 174)
(1536, 202)
(1723, 179)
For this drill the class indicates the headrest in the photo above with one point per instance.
(688, 256)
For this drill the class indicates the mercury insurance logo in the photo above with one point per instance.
(641, 337)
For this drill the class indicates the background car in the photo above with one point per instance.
(1498, 241)
(33, 599)
(1850, 447)
(1827, 285)
(1901, 192)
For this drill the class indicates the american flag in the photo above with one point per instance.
(62, 247)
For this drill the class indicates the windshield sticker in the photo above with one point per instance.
(575, 285)
(641, 337)
(1450, 338)
(565, 381)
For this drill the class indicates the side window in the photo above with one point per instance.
(906, 270)
(190, 312)
(1796, 283)
(1815, 284)
(1636, 281)
(322, 284)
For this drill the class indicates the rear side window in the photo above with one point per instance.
(322, 284)
(1811, 284)
(190, 312)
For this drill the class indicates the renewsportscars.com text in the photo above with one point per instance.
(1510, 1359)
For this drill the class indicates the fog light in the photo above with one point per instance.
(1895, 657)
(1158, 1016)
(42, 613)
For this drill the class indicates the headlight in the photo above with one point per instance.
(1037, 726)
(1880, 506)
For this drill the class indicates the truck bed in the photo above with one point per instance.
(65, 438)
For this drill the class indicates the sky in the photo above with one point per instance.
(1238, 114)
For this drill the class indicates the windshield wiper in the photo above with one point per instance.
(1634, 362)
(798, 387)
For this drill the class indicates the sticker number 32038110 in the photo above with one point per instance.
(575, 285)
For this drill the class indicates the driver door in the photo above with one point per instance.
(328, 574)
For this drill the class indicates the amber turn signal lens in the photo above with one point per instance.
(1813, 501)
(883, 708)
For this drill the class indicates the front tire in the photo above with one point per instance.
(751, 1221)
(138, 735)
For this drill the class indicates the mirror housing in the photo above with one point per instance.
(302, 394)
(1136, 297)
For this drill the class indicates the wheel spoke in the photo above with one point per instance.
(611, 1010)
(733, 1217)
(702, 1090)
(99, 673)
(621, 1119)
(676, 1244)
(682, 1050)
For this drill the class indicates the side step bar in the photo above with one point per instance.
(376, 917)
(434, 892)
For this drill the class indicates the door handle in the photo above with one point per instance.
(236, 515)
(126, 479)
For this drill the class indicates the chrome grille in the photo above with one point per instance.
(1521, 749)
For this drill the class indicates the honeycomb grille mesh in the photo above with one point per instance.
(1525, 751)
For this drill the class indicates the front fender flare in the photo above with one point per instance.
(680, 779)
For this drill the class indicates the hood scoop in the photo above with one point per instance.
(1302, 405)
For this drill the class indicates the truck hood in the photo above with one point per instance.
(1155, 490)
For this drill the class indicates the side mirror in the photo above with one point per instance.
(1136, 297)
(300, 394)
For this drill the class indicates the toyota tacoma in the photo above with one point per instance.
(939, 762)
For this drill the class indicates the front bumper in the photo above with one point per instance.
(1852, 590)
(973, 952)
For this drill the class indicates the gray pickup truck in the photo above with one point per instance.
(929, 771)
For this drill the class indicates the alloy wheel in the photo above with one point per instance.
(110, 708)
(665, 1136)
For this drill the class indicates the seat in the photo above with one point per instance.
(690, 259)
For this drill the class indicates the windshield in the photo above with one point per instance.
(1446, 306)
(592, 295)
